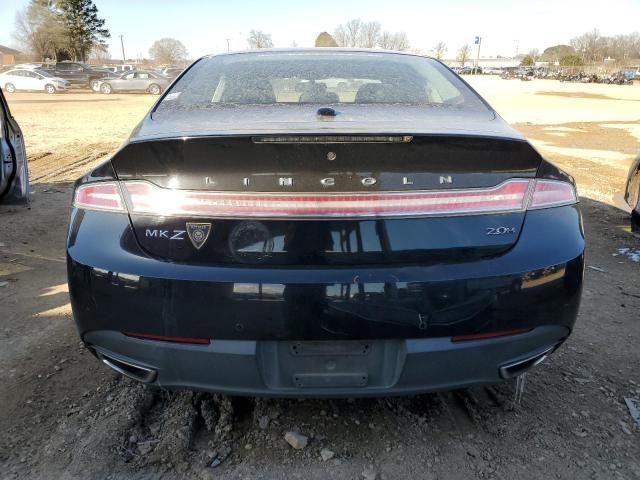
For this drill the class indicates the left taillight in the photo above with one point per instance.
(99, 196)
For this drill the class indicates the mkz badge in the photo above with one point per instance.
(198, 233)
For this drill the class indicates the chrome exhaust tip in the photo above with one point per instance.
(128, 369)
(513, 369)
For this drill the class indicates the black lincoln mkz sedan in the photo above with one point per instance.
(324, 222)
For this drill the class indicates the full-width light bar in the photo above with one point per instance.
(148, 199)
(145, 198)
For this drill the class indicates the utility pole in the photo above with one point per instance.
(124, 59)
(478, 41)
(228, 45)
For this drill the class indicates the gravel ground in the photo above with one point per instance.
(65, 416)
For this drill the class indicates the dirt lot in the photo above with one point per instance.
(63, 415)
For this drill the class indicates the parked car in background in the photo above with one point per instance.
(492, 70)
(468, 70)
(119, 68)
(135, 81)
(30, 66)
(14, 174)
(254, 239)
(172, 73)
(78, 74)
(32, 80)
(632, 193)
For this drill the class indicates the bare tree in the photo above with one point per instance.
(348, 34)
(369, 34)
(99, 54)
(259, 39)
(464, 54)
(590, 46)
(394, 41)
(39, 29)
(440, 50)
(356, 33)
(168, 51)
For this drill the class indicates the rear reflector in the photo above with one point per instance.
(148, 199)
(487, 335)
(552, 193)
(164, 338)
(99, 196)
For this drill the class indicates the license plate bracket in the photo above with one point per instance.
(330, 364)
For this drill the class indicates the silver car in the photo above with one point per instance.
(14, 174)
(32, 80)
(137, 81)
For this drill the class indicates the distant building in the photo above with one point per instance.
(8, 55)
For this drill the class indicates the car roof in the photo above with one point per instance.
(329, 50)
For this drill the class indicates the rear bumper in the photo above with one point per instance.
(115, 286)
(273, 368)
(253, 316)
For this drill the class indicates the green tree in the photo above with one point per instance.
(556, 52)
(527, 61)
(83, 28)
(571, 61)
(325, 39)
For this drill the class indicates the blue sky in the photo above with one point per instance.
(203, 26)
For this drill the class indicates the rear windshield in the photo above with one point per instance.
(269, 78)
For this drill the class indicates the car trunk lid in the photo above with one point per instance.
(326, 200)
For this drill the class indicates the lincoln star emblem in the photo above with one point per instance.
(198, 233)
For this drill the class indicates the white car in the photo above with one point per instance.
(34, 80)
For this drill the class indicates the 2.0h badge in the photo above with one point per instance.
(198, 233)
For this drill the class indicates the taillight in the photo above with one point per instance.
(145, 198)
(552, 193)
(148, 199)
(99, 196)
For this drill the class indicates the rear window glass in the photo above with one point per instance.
(269, 78)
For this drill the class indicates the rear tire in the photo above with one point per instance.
(10, 87)
(94, 84)
(106, 88)
(50, 89)
(154, 89)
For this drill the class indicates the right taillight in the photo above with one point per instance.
(552, 193)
